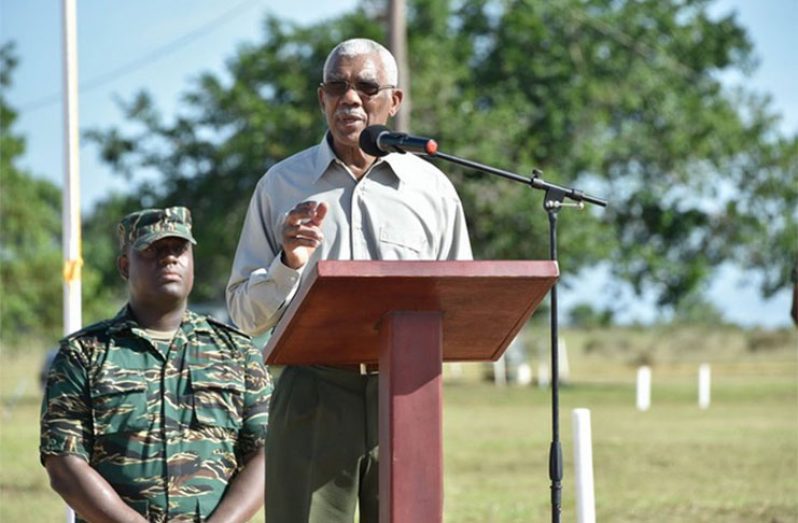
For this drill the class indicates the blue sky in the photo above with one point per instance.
(162, 46)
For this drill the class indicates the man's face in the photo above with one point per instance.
(160, 275)
(348, 114)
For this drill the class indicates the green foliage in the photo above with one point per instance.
(621, 99)
(31, 280)
(693, 309)
(213, 154)
(30, 253)
(584, 316)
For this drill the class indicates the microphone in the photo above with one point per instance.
(378, 140)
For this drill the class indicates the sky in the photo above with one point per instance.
(163, 46)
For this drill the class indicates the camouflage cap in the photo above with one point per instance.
(142, 228)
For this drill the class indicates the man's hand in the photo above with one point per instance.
(87, 492)
(301, 233)
(244, 494)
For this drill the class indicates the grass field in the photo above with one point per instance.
(734, 462)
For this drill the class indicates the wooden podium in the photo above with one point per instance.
(409, 316)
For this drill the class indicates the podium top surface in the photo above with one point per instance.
(335, 316)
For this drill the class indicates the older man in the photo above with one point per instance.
(334, 201)
(158, 414)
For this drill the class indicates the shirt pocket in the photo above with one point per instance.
(400, 244)
(218, 394)
(119, 403)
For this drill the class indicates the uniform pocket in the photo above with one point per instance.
(218, 394)
(119, 403)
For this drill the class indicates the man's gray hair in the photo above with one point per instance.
(360, 47)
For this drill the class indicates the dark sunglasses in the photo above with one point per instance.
(363, 88)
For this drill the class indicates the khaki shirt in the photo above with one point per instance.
(166, 424)
(403, 208)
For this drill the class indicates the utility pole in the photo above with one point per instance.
(70, 212)
(397, 35)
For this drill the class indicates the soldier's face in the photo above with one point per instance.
(351, 112)
(161, 274)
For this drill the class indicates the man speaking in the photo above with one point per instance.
(335, 201)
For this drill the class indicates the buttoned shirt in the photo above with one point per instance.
(166, 423)
(402, 208)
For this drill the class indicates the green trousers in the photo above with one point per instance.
(321, 447)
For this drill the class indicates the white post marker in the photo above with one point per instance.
(524, 377)
(643, 388)
(583, 467)
(543, 375)
(455, 369)
(563, 367)
(704, 385)
(500, 372)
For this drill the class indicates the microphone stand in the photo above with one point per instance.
(553, 201)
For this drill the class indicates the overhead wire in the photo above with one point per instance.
(145, 60)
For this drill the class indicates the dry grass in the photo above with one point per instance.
(735, 462)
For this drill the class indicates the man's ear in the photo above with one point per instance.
(397, 95)
(320, 95)
(122, 266)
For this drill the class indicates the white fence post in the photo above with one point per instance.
(583, 467)
(543, 375)
(704, 385)
(643, 388)
(500, 372)
(564, 367)
(523, 375)
(455, 370)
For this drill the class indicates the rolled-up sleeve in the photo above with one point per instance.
(256, 402)
(66, 421)
(260, 285)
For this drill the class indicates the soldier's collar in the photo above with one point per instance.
(125, 321)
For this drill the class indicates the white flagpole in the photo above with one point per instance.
(71, 193)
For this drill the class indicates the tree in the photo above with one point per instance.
(584, 316)
(30, 244)
(618, 98)
(212, 155)
(30, 256)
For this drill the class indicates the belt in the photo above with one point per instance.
(361, 368)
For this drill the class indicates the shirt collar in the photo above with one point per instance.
(125, 321)
(326, 155)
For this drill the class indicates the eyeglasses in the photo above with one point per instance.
(363, 88)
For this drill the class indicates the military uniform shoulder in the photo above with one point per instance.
(236, 340)
(88, 338)
(226, 328)
(91, 331)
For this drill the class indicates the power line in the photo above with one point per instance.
(145, 60)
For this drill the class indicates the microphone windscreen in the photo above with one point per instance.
(368, 140)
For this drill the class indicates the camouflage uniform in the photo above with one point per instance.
(167, 427)
(167, 424)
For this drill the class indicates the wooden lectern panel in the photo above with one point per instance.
(335, 317)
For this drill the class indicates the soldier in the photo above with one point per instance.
(158, 414)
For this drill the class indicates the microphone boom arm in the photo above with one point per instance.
(535, 181)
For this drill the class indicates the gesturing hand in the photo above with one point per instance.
(301, 232)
